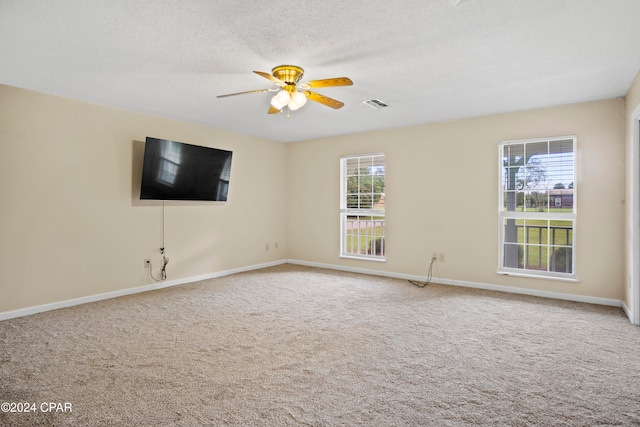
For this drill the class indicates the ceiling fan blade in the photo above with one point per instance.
(329, 102)
(242, 93)
(273, 110)
(336, 81)
(271, 78)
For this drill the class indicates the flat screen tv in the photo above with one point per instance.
(177, 171)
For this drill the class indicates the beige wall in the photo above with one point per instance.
(70, 224)
(632, 150)
(442, 196)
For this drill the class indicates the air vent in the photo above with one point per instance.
(375, 103)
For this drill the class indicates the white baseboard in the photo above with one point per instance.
(153, 286)
(476, 285)
(628, 312)
(138, 289)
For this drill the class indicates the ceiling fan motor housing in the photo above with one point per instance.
(290, 74)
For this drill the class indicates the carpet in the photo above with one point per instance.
(300, 346)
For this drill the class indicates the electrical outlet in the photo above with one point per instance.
(147, 263)
(266, 247)
(276, 245)
(441, 257)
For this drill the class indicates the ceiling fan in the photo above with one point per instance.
(292, 93)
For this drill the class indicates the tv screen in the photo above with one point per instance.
(177, 171)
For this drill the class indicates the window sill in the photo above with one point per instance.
(538, 276)
(363, 258)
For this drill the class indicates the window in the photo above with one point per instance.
(362, 202)
(537, 208)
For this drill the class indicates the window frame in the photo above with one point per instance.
(346, 211)
(504, 214)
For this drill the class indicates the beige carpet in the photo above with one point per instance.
(298, 346)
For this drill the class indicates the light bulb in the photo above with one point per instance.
(280, 99)
(298, 99)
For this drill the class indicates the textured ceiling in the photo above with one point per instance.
(430, 60)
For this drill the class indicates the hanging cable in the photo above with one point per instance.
(162, 248)
(165, 260)
(429, 275)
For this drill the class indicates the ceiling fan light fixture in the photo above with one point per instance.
(298, 99)
(280, 99)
